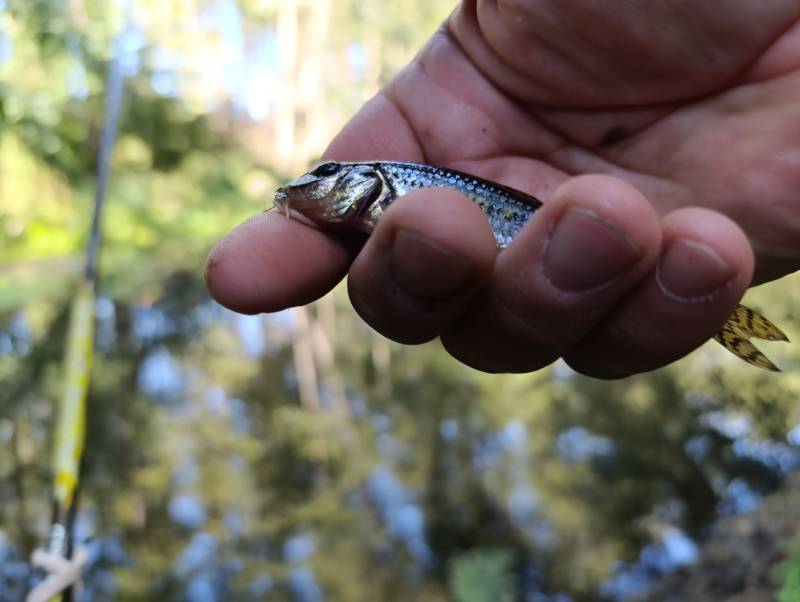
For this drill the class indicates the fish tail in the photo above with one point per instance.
(743, 325)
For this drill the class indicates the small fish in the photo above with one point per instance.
(337, 195)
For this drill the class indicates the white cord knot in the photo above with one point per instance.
(62, 573)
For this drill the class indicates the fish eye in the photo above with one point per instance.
(327, 169)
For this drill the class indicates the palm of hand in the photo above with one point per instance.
(716, 126)
(692, 108)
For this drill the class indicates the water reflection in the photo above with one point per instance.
(673, 550)
(233, 475)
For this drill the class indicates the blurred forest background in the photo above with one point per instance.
(298, 456)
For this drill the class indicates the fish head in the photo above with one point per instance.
(331, 194)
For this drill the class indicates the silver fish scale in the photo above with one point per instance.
(507, 213)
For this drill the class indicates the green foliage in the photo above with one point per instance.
(789, 573)
(482, 576)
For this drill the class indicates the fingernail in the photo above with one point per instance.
(692, 271)
(426, 270)
(585, 251)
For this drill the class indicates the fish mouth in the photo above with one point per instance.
(281, 199)
(295, 215)
(281, 203)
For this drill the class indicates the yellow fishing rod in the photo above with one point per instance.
(70, 428)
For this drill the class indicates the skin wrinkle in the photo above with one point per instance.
(569, 146)
(588, 127)
(791, 24)
(559, 156)
(426, 70)
(576, 163)
(510, 57)
(501, 70)
(616, 134)
(509, 150)
(504, 64)
(397, 106)
(536, 331)
(711, 41)
(422, 68)
(606, 157)
(552, 51)
(772, 63)
(586, 68)
(488, 132)
(716, 52)
(759, 169)
(612, 162)
(635, 172)
(454, 29)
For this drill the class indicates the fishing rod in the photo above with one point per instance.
(59, 559)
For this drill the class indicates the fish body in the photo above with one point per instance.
(348, 195)
(340, 195)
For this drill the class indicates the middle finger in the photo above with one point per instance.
(583, 250)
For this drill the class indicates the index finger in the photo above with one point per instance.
(270, 263)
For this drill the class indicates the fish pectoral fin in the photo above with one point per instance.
(744, 324)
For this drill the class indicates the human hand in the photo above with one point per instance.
(690, 113)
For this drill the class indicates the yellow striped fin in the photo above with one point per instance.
(743, 325)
